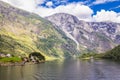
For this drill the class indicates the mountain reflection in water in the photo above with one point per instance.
(64, 70)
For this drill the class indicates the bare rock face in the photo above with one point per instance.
(89, 36)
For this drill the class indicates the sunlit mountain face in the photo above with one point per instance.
(59, 39)
(22, 33)
(77, 26)
(92, 36)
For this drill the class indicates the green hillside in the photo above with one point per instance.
(113, 54)
(22, 33)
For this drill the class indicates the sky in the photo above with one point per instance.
(87, 10)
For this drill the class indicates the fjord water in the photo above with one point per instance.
(64, 70)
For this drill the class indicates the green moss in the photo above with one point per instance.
(11, 59)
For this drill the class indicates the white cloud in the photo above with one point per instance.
(28, 5)
(60, 1)
(115, 7)
(107, 16)
(81, 11)
(38, 1)
(102, 1)
(49, 4)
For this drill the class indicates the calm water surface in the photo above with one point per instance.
(63, 70)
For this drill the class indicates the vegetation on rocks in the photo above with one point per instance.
(113, 54)
(22, 33)
(92, 55)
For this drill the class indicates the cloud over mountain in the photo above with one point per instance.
(82, 11)
(107, 16)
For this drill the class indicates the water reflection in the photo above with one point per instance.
(63, 70)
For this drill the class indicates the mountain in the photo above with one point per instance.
(89, 36)
(22, 33)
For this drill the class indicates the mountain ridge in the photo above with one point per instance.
(22, 33)
(94, 36)
(58, 36)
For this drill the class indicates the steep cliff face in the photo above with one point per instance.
(22, 33)
(89, 36)
(110, 29)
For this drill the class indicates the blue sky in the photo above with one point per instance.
(87, 10)
(95, 5)
(114, 6)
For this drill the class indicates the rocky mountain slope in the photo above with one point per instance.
(22, 33)
(89, 36)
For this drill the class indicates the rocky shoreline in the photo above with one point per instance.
(18, 63)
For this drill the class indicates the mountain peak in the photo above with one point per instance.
(63, 17)
(98, 36)
(62, 14)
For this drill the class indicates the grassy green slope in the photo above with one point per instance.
(22, 33)
(113, 54)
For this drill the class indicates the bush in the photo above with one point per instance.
(38, 55)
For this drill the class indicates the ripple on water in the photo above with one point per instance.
(66, 70)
